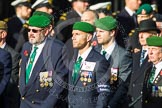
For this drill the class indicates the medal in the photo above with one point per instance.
(46, 84)
(49, 79)
(85, 79)
(115, 78)
(81, 79)
(89, 79)
(41, 85)
(84, 83)
(50, 84)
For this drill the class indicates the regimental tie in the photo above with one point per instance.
(152, 75)
(104, 53)
(76, 70)
(142, 56)
(30, 64)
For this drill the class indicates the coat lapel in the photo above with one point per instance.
(25, 56)
(114, 57)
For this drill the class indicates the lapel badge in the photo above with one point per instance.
(26, 53)
(161, 72)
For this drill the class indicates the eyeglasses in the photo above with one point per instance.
(34, 30)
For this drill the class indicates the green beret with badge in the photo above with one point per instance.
(40, 13)
(144, 9)
(39, 21)
(107, 23)
(154, 41)
(84, 26)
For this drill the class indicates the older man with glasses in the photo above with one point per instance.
(42, 66)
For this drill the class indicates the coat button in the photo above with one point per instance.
(37, 90)
(22, 98)
(134, 85)
(32, 102)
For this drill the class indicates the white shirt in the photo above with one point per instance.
(145, 52)
(3, 45)
(130, 12)
(22, 20)
(39, 50)
(109, 50)
(158, 69)
(85, 54)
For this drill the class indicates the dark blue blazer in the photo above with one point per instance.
(125, 25)
(91, 95)
(52, 58)
(5, 69)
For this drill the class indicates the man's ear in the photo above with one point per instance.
(89, 37)
(46, 31)
(112, 33)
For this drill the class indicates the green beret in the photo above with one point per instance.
(154, 41)
(84, 26)
(39, 21)
(44, 14)
(107, 23)
(144, 9)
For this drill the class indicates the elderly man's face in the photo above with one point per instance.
(155, 54)
(36, 35)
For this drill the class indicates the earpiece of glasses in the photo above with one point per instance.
(34, 30)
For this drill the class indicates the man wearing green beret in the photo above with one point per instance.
(120, 61)
(145, 11)
(88, 75)
(140, 61)
(43, 66)
(152, 85)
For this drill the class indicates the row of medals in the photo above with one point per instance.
(46, 82)
(157, 91)
(86, 77)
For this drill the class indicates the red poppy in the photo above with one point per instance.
(26, 53)
(161, 72)
(94, 43)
